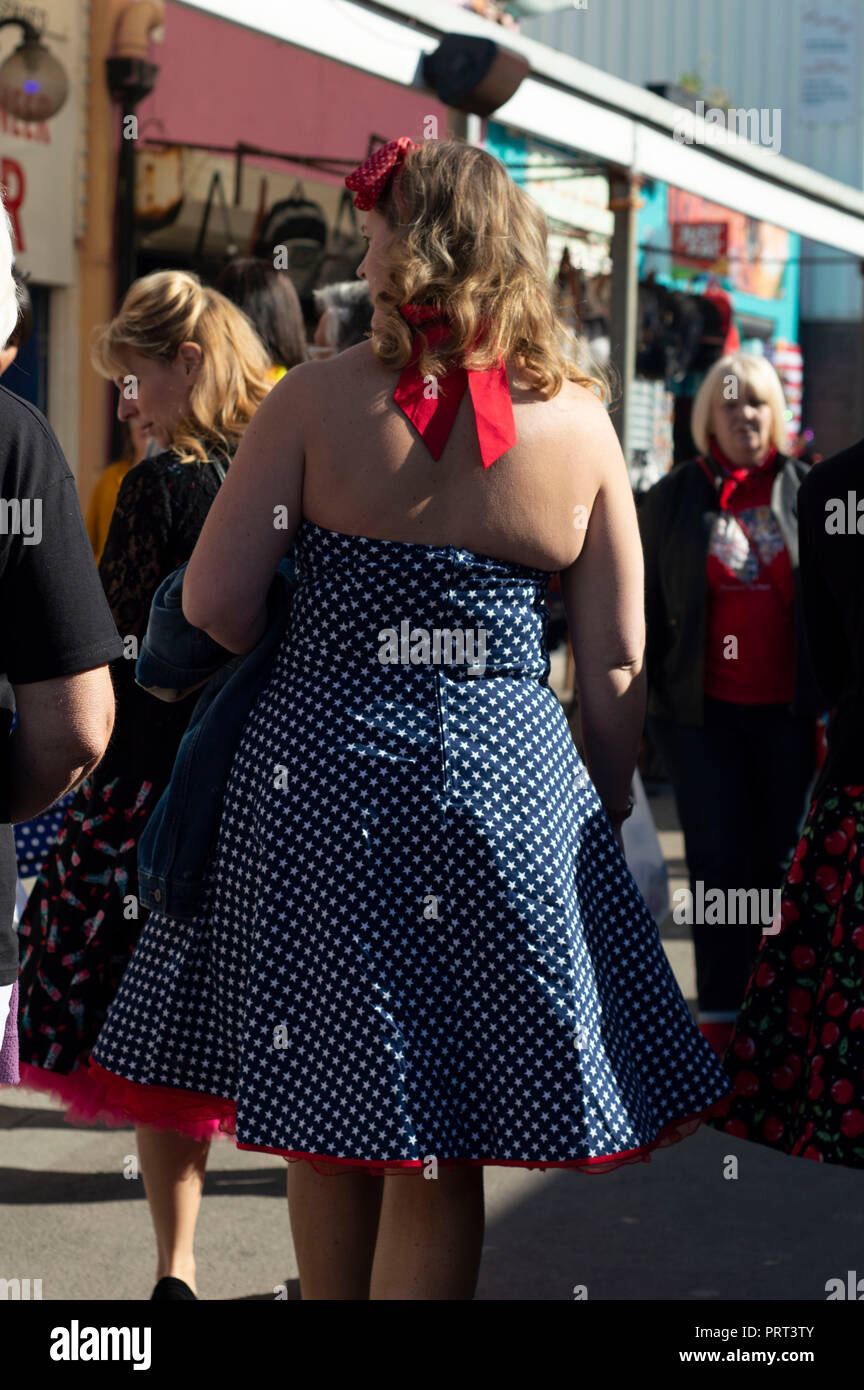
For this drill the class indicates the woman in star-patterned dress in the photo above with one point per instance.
(420, 950)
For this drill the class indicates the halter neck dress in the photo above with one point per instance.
(420, 938)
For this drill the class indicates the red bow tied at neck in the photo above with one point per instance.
(732, 476)
(431, 406)
(370, 179)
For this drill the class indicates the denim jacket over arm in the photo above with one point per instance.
(175, 658)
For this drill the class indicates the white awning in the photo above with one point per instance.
(574, 106)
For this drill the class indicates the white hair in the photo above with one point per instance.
(347, 310)
(8, 288)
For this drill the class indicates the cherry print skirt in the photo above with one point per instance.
(796, 1056)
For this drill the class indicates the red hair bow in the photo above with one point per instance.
(370, 179)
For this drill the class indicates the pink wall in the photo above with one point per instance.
(220, 83)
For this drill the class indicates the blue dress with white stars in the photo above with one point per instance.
(420, 939)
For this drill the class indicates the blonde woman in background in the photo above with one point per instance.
(199, 373)
(731, 696)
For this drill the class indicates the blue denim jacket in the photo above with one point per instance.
(174, 849)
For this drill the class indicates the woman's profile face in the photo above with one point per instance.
(374, 266)
(155, 394)
(742, 426)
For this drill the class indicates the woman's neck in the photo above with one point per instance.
(730, 466)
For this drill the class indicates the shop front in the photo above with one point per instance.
(711, 280)
(266, 121)
(574, 197)
(243, 151)
(280, 94)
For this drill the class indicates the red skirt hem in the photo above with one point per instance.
(164, 1107)
(89, 1096)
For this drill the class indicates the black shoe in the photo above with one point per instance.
(170, 1289)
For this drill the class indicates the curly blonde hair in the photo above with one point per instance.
(470, 240)
(170, 307)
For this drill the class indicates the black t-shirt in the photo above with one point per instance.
(54, 617)
(832, 577)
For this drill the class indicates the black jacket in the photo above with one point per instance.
(675, 519)
(832, 571)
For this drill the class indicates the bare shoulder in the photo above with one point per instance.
(306, 376)
(359, 358)
(361, 354)
(574, 420)
(297, 393)
(572, 398)
(592, 425)
(585, 404)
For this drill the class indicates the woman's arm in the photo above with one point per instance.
(254, 516)
(604, 599)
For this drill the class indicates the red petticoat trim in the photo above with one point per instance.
(90, 1098)
(163, 1107)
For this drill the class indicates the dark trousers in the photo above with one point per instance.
(740, 783)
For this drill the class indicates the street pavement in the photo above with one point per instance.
(674, 1228)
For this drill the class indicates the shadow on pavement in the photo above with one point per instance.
(676, 1229)
(292, 1289)
(28, 1187)
(19, 1117)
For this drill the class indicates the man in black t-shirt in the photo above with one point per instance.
(56, 638)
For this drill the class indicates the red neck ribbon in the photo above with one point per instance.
(431, 406)
(734, 473)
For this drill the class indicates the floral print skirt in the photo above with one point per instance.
(796, 1056)
(78, 933)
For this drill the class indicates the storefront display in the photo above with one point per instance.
(713, 281)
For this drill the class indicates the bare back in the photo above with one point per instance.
(330, 445)
(367, 472)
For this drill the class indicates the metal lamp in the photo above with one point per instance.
(33, 83)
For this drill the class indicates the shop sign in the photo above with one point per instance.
(830, 63)
(700, 242)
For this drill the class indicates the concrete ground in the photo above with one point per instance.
(674, 1228)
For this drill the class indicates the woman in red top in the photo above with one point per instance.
(731, 696)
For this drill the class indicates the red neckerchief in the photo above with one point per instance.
(433, 414)
(734, 475)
